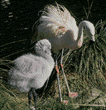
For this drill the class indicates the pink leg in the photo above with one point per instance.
(56, 67)
(64, 75)
(71, 94)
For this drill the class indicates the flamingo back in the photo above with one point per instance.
(54, 22)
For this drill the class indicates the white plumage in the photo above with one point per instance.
(58, 26)
(32, 71)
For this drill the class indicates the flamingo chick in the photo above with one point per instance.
(32, 71)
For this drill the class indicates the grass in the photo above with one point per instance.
(11, 99)
(85, 70)
(88, 10)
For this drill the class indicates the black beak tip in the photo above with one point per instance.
(91, 41)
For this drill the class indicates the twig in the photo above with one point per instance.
(94, 105)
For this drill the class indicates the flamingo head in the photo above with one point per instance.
(90, 29)
(43, 47)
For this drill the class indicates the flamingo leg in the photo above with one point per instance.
(30, 97)
(69, 93)
(56, 67)
(35, 97)
(30, 93)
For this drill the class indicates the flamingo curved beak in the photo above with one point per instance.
(92, 37)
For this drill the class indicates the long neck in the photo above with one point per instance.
(79, 40)
(69, 40)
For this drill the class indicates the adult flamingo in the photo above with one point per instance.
(58, 26)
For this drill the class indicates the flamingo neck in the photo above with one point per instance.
(79, 40)
(69, 40)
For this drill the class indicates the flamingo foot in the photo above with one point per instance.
(74, 94)
(65, 102)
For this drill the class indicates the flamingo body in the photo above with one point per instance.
(58, 26)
